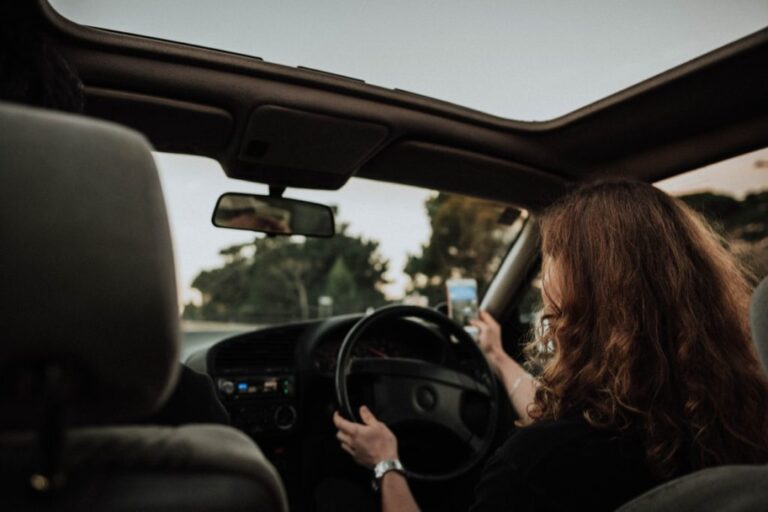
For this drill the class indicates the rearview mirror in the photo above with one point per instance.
(273, 215)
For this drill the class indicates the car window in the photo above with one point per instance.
(394, 244)
(733, 196)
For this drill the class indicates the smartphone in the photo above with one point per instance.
(462, 300)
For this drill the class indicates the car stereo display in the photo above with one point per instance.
(257, 386)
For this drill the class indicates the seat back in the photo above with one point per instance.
(90, 333)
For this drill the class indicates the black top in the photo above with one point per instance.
(564, 465)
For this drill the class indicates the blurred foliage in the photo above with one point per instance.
(743, 224)
(744, 220)
(467, 241)
(281, 279)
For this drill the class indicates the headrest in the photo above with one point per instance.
(88, 287)
(758, 317)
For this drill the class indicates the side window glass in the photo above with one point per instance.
(733, 196)
(520, 323)
(530, 303)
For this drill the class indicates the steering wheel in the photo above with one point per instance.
(409, 390)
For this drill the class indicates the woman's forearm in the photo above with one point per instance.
(520, 385)
(396, 495)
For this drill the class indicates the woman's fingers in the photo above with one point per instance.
(344, 438)
(344, 425)
(486, 317)
(477, 323)
(348, 449)
(345, 441)
(368, 443)
(367, 416)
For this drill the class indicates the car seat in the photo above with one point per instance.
(90, 333)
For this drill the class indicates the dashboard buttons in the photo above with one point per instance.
(285, 417)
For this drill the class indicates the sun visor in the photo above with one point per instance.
(424, 164)
(295, 148)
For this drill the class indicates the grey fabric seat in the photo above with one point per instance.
(724, 488)
(90, 334)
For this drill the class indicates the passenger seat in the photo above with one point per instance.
(90, 334)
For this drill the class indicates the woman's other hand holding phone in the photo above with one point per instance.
(489, 341)
(520, 385)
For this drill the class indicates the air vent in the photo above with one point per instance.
(272, 349)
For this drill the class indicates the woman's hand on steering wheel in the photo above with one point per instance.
(369, 442)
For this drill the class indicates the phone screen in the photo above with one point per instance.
(462, 300)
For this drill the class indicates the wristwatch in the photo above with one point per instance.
(384, 467)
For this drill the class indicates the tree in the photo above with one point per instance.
(467, 240)
(341, 286)
(284, 279)
(223, 289)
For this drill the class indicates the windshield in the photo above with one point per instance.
(393, 244)
(511, 58)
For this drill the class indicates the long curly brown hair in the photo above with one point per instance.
(650, 329)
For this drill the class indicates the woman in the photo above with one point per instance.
(646, 370)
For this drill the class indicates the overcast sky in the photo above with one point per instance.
(531, 60)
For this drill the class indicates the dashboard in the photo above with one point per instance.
(261, 375)
(277, 385)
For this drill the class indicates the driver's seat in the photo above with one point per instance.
(740, 488)
(90, 334)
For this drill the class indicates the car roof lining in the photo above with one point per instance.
(706, 110)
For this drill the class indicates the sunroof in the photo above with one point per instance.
(516, 59)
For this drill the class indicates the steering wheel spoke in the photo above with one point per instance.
(407, 390)
(415, 369)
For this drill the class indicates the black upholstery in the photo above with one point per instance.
(725, 488)
(90, 334)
